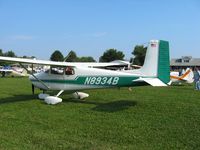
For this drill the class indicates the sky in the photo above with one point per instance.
(89, 27)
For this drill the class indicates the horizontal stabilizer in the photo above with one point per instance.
(151, 81)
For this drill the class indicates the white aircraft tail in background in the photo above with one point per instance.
(186, 77)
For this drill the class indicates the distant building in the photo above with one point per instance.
(184, 62)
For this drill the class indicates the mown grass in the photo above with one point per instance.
(146, 118)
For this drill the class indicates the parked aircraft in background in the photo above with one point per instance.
(13, 72)
(183, 77)
(66, 76)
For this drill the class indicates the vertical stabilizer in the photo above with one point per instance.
(156, 62)
(150, 66)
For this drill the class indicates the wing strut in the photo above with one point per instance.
(59, 93)
(34, 76)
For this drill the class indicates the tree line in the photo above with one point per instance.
(7, 54)
(138, 53)
(109, 55)
(71, 57)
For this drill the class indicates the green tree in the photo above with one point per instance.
(111, 55)
(1, 52)
(57, 56)
(28, 57)
(139, 52)
(71, 57)
(85, 59)
(9, 54)
(33, 57)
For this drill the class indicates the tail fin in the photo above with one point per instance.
(156, 62)
(24, 72)
(188, 76)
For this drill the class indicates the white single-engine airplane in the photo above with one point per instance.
(66, 76)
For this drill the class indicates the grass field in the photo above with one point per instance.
(146, 118)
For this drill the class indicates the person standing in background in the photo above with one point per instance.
(196, 78)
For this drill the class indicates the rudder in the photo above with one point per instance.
(163, 62)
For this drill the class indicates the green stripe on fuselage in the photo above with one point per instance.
(96, 81)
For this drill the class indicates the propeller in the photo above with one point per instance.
(33, 89)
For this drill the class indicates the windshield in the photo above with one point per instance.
(57, 70)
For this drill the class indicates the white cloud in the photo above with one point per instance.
(21, 37)
(86, 35)
(100, 34)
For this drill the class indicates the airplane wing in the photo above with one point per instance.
(54, 63)
(88, 64)
(34, 61)
(5, 70)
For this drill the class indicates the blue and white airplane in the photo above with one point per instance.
(13, 72)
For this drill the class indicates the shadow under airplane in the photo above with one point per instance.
(113, 106)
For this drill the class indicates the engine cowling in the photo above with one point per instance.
(80, 95)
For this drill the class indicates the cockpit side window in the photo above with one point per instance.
(69, 71)
(57, 70)
(47, 71)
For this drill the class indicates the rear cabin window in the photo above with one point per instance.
(69, 71)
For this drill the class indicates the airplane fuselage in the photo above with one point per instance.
(84, 78)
